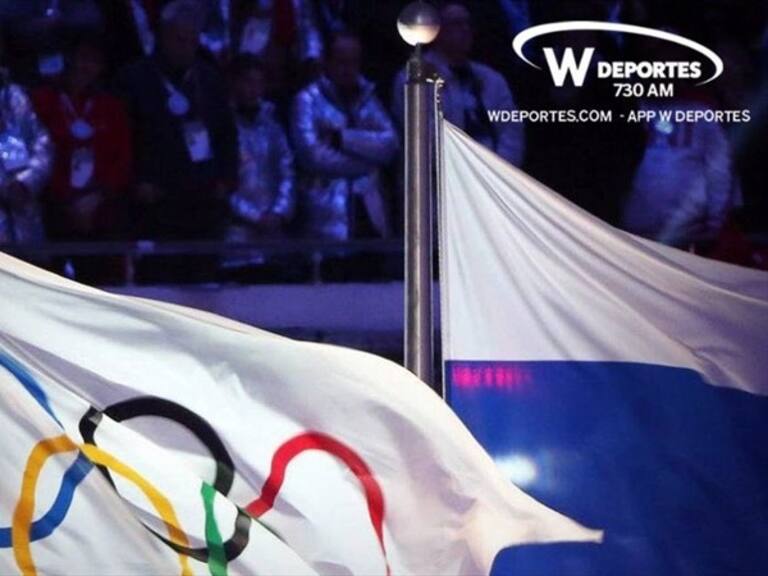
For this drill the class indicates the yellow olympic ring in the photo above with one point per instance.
(25, 507)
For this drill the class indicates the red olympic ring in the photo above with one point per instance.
(316, 441)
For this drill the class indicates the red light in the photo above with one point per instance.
(488, 375)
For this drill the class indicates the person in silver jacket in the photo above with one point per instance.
(26, 158)
(265, 199)
(343, 136)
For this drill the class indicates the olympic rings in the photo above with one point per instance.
(46, 525)
(224, 477)
(25, 507)
(216, 554)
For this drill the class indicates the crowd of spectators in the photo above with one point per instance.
(246, 119)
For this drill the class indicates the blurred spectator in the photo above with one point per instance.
(744, 85)
(682, 191)
(361, 16)
(38, 31)
(90, 129)
(229, 27)
(343, 136)
(684, 188)
(290, 24)
(186, 139)
(265, 197)
(284, 35)
(471, 89)
(26, 155)
(130, 29)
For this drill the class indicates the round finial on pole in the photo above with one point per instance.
(418, 23)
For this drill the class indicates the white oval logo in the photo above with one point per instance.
(534, 32)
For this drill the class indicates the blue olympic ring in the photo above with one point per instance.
(75, 474)
(29, 383)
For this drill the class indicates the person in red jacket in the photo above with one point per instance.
(93, 165)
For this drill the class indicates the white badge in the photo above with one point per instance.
(256, 35)
(50, 64)
(81, 169)
(178, 104)
(81, 129)
(198, 141)
(14, 154)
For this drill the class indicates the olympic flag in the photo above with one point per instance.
(144, 438)
(619, 381)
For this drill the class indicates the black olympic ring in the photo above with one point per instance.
(161, 408)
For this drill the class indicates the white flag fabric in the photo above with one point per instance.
(141, 437)
(624, 380)
(573, 287)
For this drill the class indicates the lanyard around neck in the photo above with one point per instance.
(72, 111)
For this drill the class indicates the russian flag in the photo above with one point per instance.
(621, 382)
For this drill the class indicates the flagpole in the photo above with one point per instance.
(418, 24)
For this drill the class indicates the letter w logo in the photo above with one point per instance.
(568, 66)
